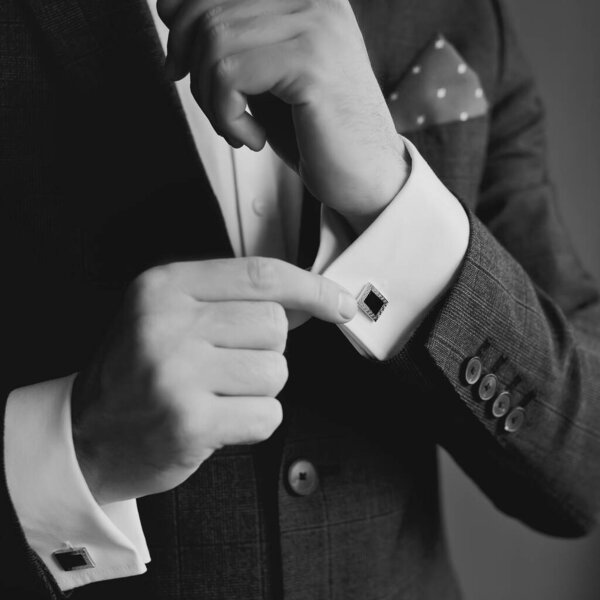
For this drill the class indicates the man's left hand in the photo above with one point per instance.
(305, 59)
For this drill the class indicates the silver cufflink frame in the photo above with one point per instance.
(73, 559)
(366, 296)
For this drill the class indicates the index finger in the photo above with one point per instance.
(258, 278)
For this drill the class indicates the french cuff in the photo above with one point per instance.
(79, 541)
(401, 264)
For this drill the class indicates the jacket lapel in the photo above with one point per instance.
(92, 41)
(84, 35)
(100, 45)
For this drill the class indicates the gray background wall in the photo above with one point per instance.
(496, 557)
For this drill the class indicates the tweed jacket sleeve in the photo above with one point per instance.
(524, 306)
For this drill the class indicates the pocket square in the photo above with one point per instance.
(440, 87)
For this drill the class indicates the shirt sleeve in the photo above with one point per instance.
(55, 507)
(404, 261)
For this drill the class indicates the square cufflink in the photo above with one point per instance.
(73, 559)
(372, 302)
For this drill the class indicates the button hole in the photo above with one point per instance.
(498, 364)
(527, 399)
(514, 383)
(483, 348)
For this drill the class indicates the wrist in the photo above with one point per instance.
(393, 178)
(82, 443)
(87, 465)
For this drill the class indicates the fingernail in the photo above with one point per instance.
(347, 306)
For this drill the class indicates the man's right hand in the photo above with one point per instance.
(193, 364)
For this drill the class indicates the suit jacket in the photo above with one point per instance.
(100, 179)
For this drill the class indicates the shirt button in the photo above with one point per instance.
(303, 477)
(473, 370)
(514, 420)
(501, 405)
(259, 206)
(487, 387)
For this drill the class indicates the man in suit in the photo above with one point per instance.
(464, 308)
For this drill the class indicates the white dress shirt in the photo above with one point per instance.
(410, 254)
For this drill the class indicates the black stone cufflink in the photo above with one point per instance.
(372, 302)
(73, 559)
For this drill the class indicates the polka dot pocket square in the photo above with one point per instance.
(438, 88)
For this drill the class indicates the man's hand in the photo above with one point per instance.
(194, 363)
(303, 67)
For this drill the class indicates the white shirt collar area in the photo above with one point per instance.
(260, 197)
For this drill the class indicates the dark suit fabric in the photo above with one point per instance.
(100, 179)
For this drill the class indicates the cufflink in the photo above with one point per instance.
(372, 302)
(73, 559)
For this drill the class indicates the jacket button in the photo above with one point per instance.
(501, 405)
(514, 420)
(473, 370)
(487, 387)
(302, 477)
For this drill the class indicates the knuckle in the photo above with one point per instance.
(211, 18)
(321, 293)
(277, 371)
(278, 319)
(167, 416)
(165, 378)
(318, 12)
(333, 6)
(261, 273)
(207, 313)
(223, 69)
(269, 420)
(179, 373)
(196, 417)
(187, 434)
(183, 412)
(216, 33)
(149, 284)
(273, 418)
(310, 6)
(313, 46)
(172, 421)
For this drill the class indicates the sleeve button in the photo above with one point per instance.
(473, 370)
(514, 420)
(487, 387)
(501, 405)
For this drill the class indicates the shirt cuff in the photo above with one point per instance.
(410, 254)
(53, 502)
